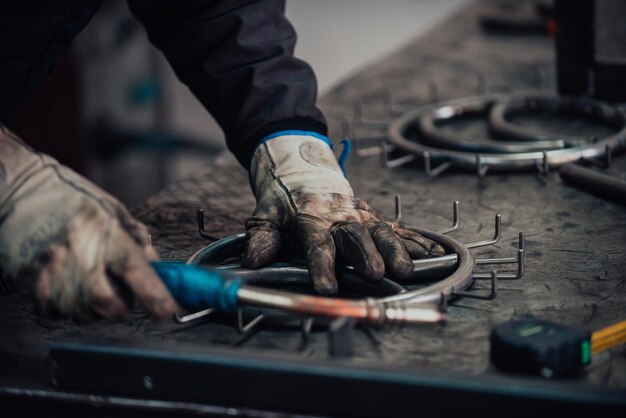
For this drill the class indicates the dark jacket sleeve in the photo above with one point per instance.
(237, 58)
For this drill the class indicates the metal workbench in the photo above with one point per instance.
(575, 242)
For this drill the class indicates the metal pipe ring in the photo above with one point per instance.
(430, 120)
(456, 269)
(403, 128)
(501, 127)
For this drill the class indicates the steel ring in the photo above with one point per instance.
(456, 268)
(501, 127)
(402, 131)
(430, 120)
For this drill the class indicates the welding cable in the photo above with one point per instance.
(196, 288)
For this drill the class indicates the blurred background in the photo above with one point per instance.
(114, 111)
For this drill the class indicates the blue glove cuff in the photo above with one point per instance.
(297, 133)
(346, 143)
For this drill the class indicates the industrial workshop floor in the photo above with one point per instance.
(575, 242)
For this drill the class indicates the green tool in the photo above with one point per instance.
(535, 346)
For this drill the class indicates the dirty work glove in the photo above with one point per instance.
(301, 191)
(70, 245)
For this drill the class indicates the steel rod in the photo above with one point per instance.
(591, 181)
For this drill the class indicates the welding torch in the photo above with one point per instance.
(197, 288)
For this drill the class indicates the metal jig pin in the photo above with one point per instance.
(520, 260)
(481, 79)
(398, 199)
(241, 328)
(385, 162)
(433, 91)
(492, 294)
(307, 325)
(495, 239)
(359, 150)
(181, 319)
(544, 166)
(201, 231)
(360, 119)
(433, 172)
(390, 107)
(456, 218)
(481, 169)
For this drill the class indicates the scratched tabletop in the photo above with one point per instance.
(575, 242)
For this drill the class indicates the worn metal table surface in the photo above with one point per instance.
(576, 243)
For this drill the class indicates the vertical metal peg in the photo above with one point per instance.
(481, 169)
(481, 79)
(398, 200)
(456, 218)
(307, 325)
(433, 172)
(244, 328)
(346, 127)
(496, 236)
(359, 150)
(390, 106)
(433, 91)
(443, 302)
(360, 119)
(544, 166)
(340, 341)
(201, 231)
(385, 162)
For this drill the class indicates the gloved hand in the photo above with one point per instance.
(301, 191)
(70, 245)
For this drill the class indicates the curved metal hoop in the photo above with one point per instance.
(430, 120)
(441, 278)
(453, 270)
(501, 127)
(402, 131)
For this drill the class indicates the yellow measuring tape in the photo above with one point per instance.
(608, 337)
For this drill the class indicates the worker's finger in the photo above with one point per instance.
(363, 205)
(137, 230)
(263, 243)
(103, 299)
(397, 261)
(126, 261)
(416, 245)
(60, 287)
(355, 245)
(51, 294)
(319, 249)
